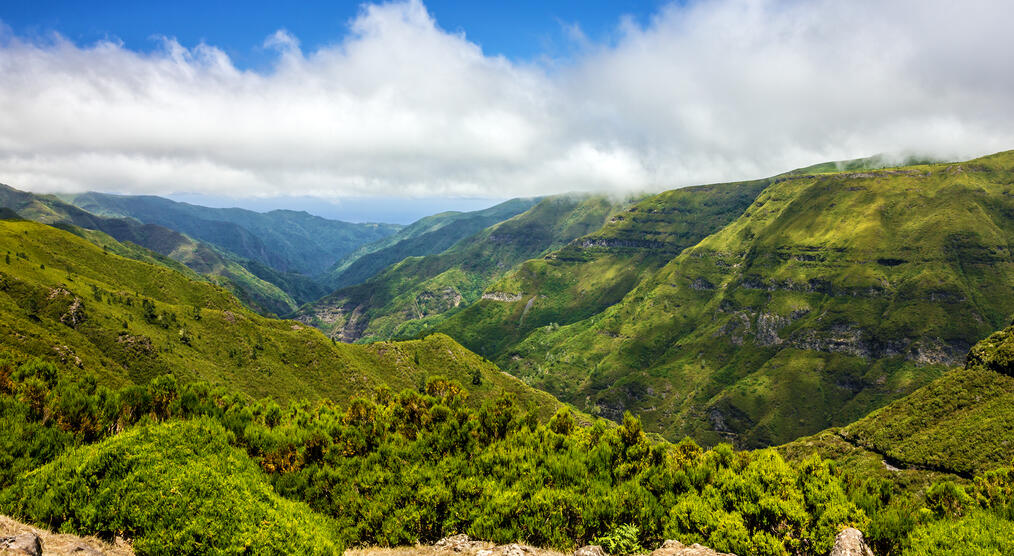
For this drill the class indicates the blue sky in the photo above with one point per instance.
(420, 104)
(519, 30)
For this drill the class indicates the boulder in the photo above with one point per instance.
(507, 550)
(590, 550)
(23, 543)
(849, 542)
(459, 543)
(676, 548)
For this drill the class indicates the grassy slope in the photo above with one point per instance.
(956, 427)
(289, 241)
(832, 295)
(224, 269)
(51, 270)
(427, 236)
(596, 270)
(418, 292)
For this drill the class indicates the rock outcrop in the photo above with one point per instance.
(19, 539)
(849, 542)
(24, 543)
(676, 548)
(590, 550)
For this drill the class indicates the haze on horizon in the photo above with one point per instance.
(399, 107)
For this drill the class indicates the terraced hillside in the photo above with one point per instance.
(66, 300)
(830, 296)
(596, 270)
(413, 295)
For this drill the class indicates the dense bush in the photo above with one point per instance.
(184, 468)
(174, 488)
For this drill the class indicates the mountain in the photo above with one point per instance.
(596, 270)
(427, 236)
(285, 240)
(418, 292)
(221, 268)
(831, 295)
(69, 301)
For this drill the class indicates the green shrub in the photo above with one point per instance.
(978, 533)
(174, 488)
(621, 540)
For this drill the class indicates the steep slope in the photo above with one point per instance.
(959, 423)
(261, 295)
(66, 300)
(286, 240)
(427, 236)
(595, 271)
(418, 292)
(830, 296)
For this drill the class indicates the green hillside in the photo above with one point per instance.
(427, 236)
(224, 269)
(960, 423)
(947, 445)
(595, 271)
(66, 300)
(286, 240)
(831, 295)
(416, 293)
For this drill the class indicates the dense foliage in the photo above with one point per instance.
(192, 468)
(405, 467)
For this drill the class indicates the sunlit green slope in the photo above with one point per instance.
(63, 298)
(831, 295)
(411, 296)
(595, 271)
(222, 268)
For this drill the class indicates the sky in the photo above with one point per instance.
(469, 102)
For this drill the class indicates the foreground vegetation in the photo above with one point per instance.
(185, 468)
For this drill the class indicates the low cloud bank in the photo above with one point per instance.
(715, 90)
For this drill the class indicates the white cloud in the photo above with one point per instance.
(712, 91)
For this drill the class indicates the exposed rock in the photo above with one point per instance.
(435, 302)
(701, 284)
(849, 542)
(30, 540)
(590, 550)
(621, 244)
(508, 550)
(23, 543)
(502, 296)
(75, 314)
(768, 325)
(676, 548)
(459, 543)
